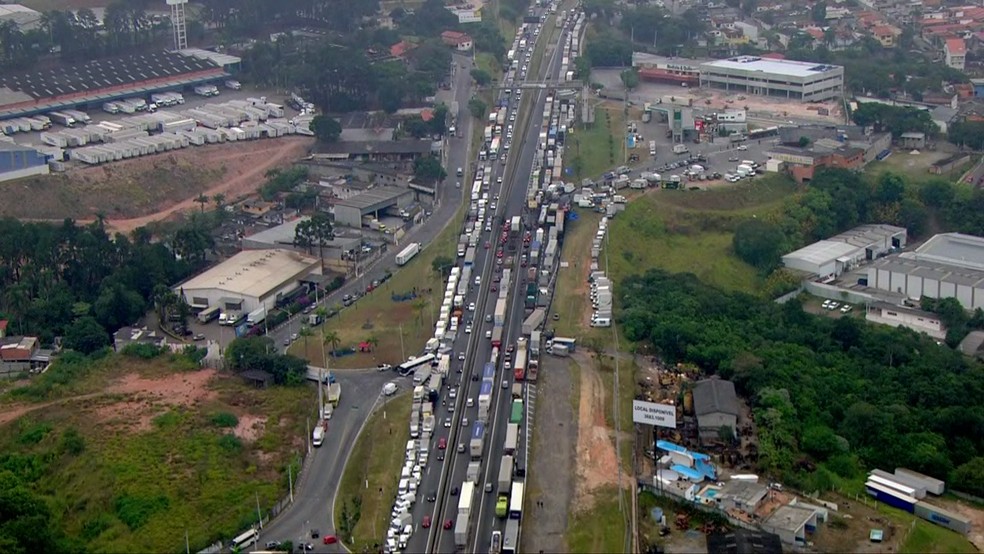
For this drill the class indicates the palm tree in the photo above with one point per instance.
(305, 332)
(219, 200)
(202, 199)
(330, 337)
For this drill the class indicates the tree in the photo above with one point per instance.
(315, 231)
(202, 199)
(482, 78)
(630, 78)
(118, 306)
(477, 108)
(85, 335)
(804, 142)
(248, 353)
(428, 169)
(969, 477)
(331, 337)
(326, 129)
(442, 264)
(759, 243)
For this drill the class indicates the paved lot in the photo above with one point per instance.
(551, 471)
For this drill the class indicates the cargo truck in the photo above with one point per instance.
(534, 321)
(62, 119)
(499, 315)
(318, 436)
(477, 444)
(461, 532)
(505, 474)
(680, 149)
(535, 343)
(497, 336)
(502, 505)
(532, 367)
(334, 393)
(467, 493)
(408, 253)
(208, 314)
(531, 296)
(516, 414)
(517, 390)
(473, 472)
(256, 316)
(512, 438)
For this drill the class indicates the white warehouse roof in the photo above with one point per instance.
(790, 68)
(253, 273)
(822, 252)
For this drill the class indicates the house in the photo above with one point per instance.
(716, 407)
(401, 50)
(955, 53)
(19, 354)
(461, 41)
(886, 35)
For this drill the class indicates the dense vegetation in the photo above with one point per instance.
(77, 281)
(895, 119)
(834, 392)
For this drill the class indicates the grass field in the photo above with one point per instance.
(380, 318)
(926, 537)
(151, 464)
(594, 149)
(376, 459)
(599, 529)
(915, 167)
(690, 231)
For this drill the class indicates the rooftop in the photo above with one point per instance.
(25, 18)
(743, 541)
(377, 147)
(101, 74)
(867, 235)
(823, 251)
(372, 197)
(790, 68)
(252, 272)
(284, 234)
(217, 58)
(956, 46)
(946, 273)
(790, 518)
(746, 493)
(955, 249)
(715, 396)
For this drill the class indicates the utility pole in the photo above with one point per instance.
(403, 351)
(290, 481)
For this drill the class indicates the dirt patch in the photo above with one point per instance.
(976, 516)
(250, 427)
(133, 193)
(596, 458)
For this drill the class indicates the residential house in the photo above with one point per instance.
(401, 50)
(136, 335)
(886, 35)
(955, 53)
(19, 354)
(460, 41)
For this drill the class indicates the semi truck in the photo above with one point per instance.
(512, 438)
(477, 443)
(256, 316)
(519, 368)
(535, 343)
(407, 253)
(208, 314)
(473, 472)
(497, 336)
(531, 296)
(499, 315)
(461, 532)
(62, 119)
(516, 414)
(534, 320)
(465, 500)
(505, 473)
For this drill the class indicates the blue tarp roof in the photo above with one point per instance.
(687, 472)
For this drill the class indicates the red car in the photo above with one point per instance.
(426, 522)
(510, 347)
(442, 443)
(487, 245)
(330, 539)
(495, 288)
(499, 253)
(448, 523)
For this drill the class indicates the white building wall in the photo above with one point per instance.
(947, 289)
(964, 294)
(978, 298)
(931, 288)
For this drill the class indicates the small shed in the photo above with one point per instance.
(913, 141)
(257, 377)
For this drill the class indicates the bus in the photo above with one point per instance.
(409, 366)
(516, 501)
(494, 149)
(755, 134)
(209, 314)
(247, 538)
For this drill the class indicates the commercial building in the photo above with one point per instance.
(24, 19)
(282, 236)
(18, 161)
(831, 257)
(901, 316)
(805, 81)
(378, 150)
(844, 146)
(661, 69)
(249, 280)
(744, 496)
(93, 83)
(716, 406)
(370, 203)
(949, 265)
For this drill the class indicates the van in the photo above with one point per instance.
(601, 322)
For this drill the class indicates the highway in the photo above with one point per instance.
(443, 480)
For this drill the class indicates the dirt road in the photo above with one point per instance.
(243, 177)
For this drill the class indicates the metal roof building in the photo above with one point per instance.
(282, 236)
(716, 406)
(248, 280)
(839, 253)
(806, 81)
(99, 81)
(350, 211)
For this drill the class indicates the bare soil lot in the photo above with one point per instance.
(132, 193)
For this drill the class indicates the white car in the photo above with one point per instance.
(468, 329)
(470, 403)
(742, 147)
(461, 356)
(471, 307)
(478, 280)
(447, 422)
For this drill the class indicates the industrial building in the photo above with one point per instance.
(24, 19)
(805, 81)
(18, 161)
(370, 203)
(406, 150)
(901, 316)
(716, 406)
(282, 236)
(831, 257)
(949, 265)
(744, 541)
(792, 524)
(249, 280)
(93, 83)
(661, 69)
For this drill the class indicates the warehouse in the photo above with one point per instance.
(21, 161)
(93, 83)
(370, 203)
(716, 406)
(248, 280)
(805, 81)
(831, 257)
(283, 236)
(949, 265)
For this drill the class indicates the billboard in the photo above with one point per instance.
(651, 413)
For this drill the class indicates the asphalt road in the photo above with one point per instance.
(314, 493)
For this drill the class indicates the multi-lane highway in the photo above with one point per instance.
(443, 481)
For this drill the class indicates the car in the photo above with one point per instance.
(825, 305)
(454, 490)
(431, 497)
(440, 456)
(488, 318)
(468, 329)
(846, 308)
(453, 393)
(498, 253)
(198, 337)
(471, 307)
(511, 347)
(461, 356)
(505, 384)
(488, 245)
(488, 333)
(742, 147)
(315, 533)
(294, 337)
(329, 539)
(272, 545)
(426, 522)
(447, 422)
(507, 365)
(461, 447)
(442, 443)
(448, 523)
(478, 280)
(384, 367)
(498, 180)
(286, 341)
(495, 288)
(488, 487)
(470, 402)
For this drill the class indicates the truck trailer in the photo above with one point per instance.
(407, 253)
(534, 320)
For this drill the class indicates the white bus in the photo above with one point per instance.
(409, 366)
(247, 538)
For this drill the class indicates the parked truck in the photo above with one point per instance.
(680, 149)
(535, 343)
(477, 443)
(408, 253)
(334, 393)
(534, 321)
(473, 472)
(512, 438)
(62, 119)
(256, 316)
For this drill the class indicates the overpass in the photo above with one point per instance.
(561, 85)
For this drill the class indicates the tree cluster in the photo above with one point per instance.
(895, 119)
(967, 133)
(428, 169)
(248, 353)
(608, 49)
(659, 29)
(81, 283)
(836, 392)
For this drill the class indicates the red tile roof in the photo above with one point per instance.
(400, 49)
(956, 46)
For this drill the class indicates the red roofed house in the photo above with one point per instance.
(401, 49)
(955, 51)
(426, 115)
(815, 32)
(459, 40)
(887, 35)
